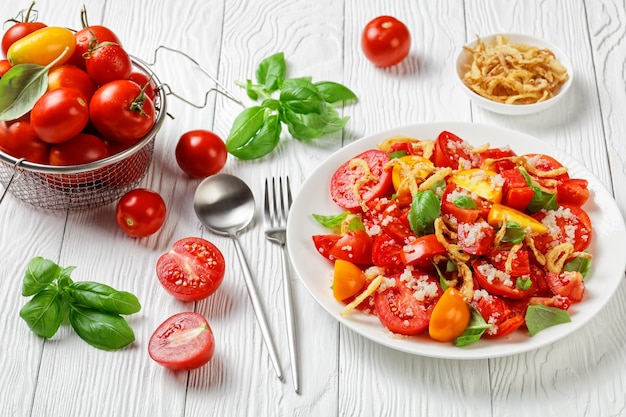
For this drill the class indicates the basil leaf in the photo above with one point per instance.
(539, 317)
(20, 88)
(334, 92)
(245, 126)
(582, 265)
(425, 209)
(261, 143)
(465, 202)
(474, 330)
(541, 199)
(251, 90)
(332, 222)
(312, 125)
(442, 278)
(39, 274)
(301, 96)
(514, 233)
(398, 154)
(271, 71)
(523, 283)
(103, 298)
(101, 330)
(356, 223)
(44, 313)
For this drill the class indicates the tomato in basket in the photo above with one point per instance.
(184, 341)
(59, 115)
(21, 28)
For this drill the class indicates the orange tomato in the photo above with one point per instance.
(450, 316)
(348, 280)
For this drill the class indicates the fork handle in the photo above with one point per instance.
(257, 307)
(291, 322)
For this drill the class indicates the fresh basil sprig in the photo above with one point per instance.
(94, 310)
(306, 108)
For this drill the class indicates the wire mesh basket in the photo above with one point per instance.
(88, 185)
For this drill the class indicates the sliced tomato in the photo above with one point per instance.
(497, 282)
(421, 251)
(573, 191)
(354, 246)
(568, 284)
(476, 238)
(184, 341)
(556, 301)
(448, 207)
(566, 224)
(450, 316)
(343, 184)
(545, 163)
(491, 159)
(516, 193)
(520, 265)
(323, 244)
(399, 310)
(391, 216)
(497, 312)
(452, 151)
(386, 251)
(192, 270)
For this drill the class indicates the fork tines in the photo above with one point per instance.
(278, 202)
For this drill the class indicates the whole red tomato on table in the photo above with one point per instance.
(140, 212)
(386, 41)
(201, 153)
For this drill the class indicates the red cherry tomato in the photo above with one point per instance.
(450, 150)
(59, 115)
(386, 41)
(499, 283)
(120, 111)
(568, 284)
(497, 312)
(82, 149)
(144, 81)
(108, 62)
(566, 224)
(422, 250)
(140, 212)
(70, 76)
(184, 341)
(354, 246)
(19, 140)
(5, 65)
(386, 252)
(201, 153)
(343, 180)
(89, 36)
(192, 270)
(22, 27)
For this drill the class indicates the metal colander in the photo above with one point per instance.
(88, 185)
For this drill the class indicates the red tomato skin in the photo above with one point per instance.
(354, 246)
(386, 251)
(200, 153)
(499, 313)
(573, 191)
(476, 245)
(197, 350)
(140, 212)
(144, 81)
(111, 114)
(81, 149)
(420, 251)
(19, 140)
(70, 76)
(59, 115)
(449, 149)
(578, 219)
(88, 37)
(324, 243)
(5, 65)
(496, 286)
(108, 63)
(386, 41)
(17, 32)
(567, 284)
(342, 185)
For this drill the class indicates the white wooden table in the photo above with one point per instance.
(342, 372)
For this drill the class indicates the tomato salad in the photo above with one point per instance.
(457, 242)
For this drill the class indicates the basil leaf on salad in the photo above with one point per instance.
(514, 233)
(465, 202)
(539, 317)
(582, 265)
(425, 209)
(474, 330)
(541, 199)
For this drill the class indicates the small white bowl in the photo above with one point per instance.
(465, 58)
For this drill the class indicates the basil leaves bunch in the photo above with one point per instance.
(306, 108)
(94, 310)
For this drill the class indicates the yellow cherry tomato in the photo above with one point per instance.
(499, 213)
(348, 280)
(450, 316)
(484, 183)
(405, 167)
(42, 47)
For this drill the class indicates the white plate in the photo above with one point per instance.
(607, 247)
(464, 58)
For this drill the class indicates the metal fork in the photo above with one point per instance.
(276, 211)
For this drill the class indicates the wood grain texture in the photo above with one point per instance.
(342, 373)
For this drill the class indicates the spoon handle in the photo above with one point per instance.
(257, 307)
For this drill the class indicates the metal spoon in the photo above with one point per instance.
(225, 204)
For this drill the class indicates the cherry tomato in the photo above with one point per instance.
(42, 47)
(354, 246)
(324, 243)
(144, 81)
(87, 38)
(19, 140)
(343, 180)
(201, 153)
(566, 224)
(520, 264)
(450, 316)
(81, 149)
(22, 27)
(450, 151)
(568, 284)
(495, 160)
(476, 238)
(497, 282)
(120, 111)
(421, 251)
(573, 191)
(5, 65)
(59, 115)
(348, 280)
(404, 310)
(386, 41)
(108, 62)
(140, 212)
(386, 251)
(184, 341)
(503, 319)
(192, 270)
(461, 214)
(71, 76)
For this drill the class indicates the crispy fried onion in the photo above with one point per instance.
(426, 146)
(508, 265)
(441, 174)
(412, 175)
(560, 254)
(465, 273)
(366, 177)
(453, 249)
(540, 257)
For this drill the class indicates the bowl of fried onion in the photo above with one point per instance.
(514, 74)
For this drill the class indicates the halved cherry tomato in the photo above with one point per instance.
(399, 309)
(500, 213)
(476, 238)
(59, 115)
(497, 282)
(192, 270)
(452, 151)
(572, 191)
(494, 159)
(348, 280)
(184, 341)
(324, 243)
(449, 208)
(546, 163)
(386, 252)
(140, 212)
(386, 41)
(568, 284)
(42, 47)
(405, 167)
(450, 316)
(520, 264)
(342, 183)
(516, 193)
(503, 319)
(567, 224)
(354, 246)
(485, 184)
(421, 251)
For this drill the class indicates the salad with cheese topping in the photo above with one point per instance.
(458, 242)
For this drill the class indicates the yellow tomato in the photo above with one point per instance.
(348, 280)
(408, 162)
(486, 184)
(450, 316)
(499, 213)
(42, 47)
